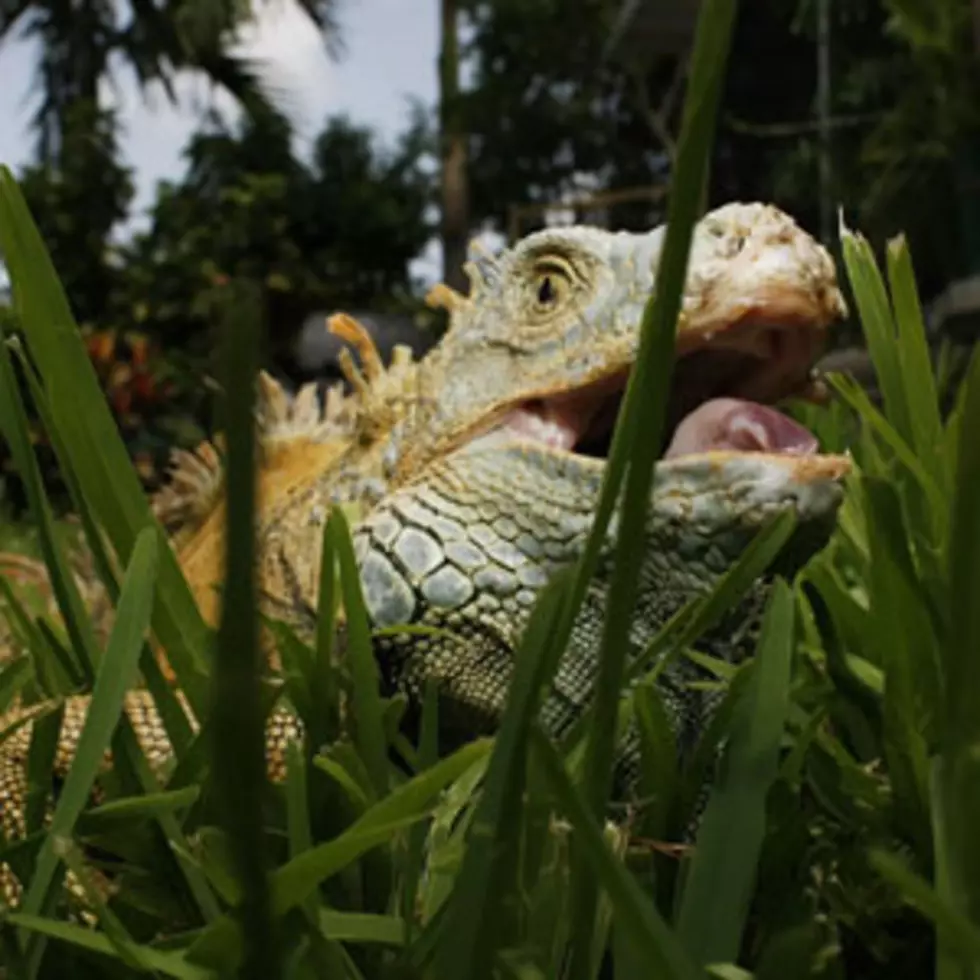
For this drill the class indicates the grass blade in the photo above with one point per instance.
(174, 719)
(295, 881)
(368, 712)
(919, 379)
(721, 879)
(955, 927)
(646, 398)
(13, 422)
(116, 676)
(89, 434)
(168, 964)
(878, 326)
(907, 651)
(662, 954)
(324, 689)
(238, 769)
(960, 766)
(93, 537)
(414, 862)
(475, 919)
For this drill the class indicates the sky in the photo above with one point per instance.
(391, 47)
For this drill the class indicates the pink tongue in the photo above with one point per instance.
(730, 423)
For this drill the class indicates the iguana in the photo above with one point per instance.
(477, 469)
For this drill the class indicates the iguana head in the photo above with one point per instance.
(540, 352)
(501, 482)
(542, 348)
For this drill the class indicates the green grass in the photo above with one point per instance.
(839, 838)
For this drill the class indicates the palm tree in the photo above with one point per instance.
(82, 40)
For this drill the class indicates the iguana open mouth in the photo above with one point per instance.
(722, 390)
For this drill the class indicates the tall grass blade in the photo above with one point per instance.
(296, 880)
(13, 422)
(659, 949)
(171, 712)
(646, 399)
(414, 864)
(955, 927)
(959, 763)
(89, 434)
(168, 964)
(875, 312)
(907, 651)
(93, 537)
(721, 880)
(117, 673)
(323, 686)
(237, 712)
(368, 712)
(857, 398)
(476, 921)
(919, 379)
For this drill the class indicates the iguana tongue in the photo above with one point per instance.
(720, 423)
(743, 426)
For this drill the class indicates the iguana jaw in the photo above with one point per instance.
(723, 383)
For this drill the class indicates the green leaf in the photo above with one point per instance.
(323, 687)
(13, 679)
(139, 807)
(658, 753)
(414, 864)
(13, 422)
(238, 769)
(355, 927)
(662, 954)
(117, 673)
(165, 697)
(918, 379)
(954, 926)
(89, 434)
(907, 651)
(721, 880)
(960, 765)
(167, 963)
(294, 881)
(367, 708)
(858, 399)
(879, 329)
(476, 920)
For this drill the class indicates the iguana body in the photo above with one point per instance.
(477, 469)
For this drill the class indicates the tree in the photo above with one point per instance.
(549, 116)
(80, 41)
(76, 205)
(546, 118)
(924, 150)
(339, 231)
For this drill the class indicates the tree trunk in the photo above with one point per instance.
(455, 189)
(824, 106)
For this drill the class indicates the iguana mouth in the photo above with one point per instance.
(722, 392)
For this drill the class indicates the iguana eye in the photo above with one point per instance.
(551, 284)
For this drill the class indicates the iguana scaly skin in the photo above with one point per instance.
(477, 470)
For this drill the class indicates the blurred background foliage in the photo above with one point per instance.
(864, 105)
